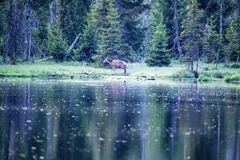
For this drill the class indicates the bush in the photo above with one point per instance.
(233, 78)
(203, 78)
(184, 74)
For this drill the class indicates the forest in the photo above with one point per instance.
(152, 31)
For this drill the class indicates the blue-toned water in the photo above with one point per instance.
(59, 120)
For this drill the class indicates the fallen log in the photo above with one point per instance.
(71, 47)
(44, 59)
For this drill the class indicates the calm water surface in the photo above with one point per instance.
(42, 120)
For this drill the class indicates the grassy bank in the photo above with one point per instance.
(75, 70)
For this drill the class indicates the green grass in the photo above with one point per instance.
(80, 70)
(76, 70)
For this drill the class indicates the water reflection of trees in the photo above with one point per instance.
(118, 121)
(197, 122)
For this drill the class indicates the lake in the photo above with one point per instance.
(58, 120)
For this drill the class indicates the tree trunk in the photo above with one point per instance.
(146, 42)
(176, 27)
(238, 30)
(220, 29)
(13, 29)
(238, 3)
(6, 49)
(54, 12)
(29, 24)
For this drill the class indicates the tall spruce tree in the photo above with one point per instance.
(131, 19)
(193, 36)
(73, 17)
(212, 39)
(159, 54)
(108, 31)
(232, 48)
(56, 45)
(88, 45)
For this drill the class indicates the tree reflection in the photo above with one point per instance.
(57, 120)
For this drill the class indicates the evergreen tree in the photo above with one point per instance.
(212, 39)
(41, 7)
(156, 14)
(232, 48)
(192, 35)
(108, 31)
(159, 54)
(73, 17)
(131, 20)
(88, 45)
(56, 45)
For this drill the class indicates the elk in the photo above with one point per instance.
(116, 63)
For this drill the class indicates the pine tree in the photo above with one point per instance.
(232, 48)
(192, 35)
(156, 14)
(108, 31)
(56, 45)
(159, 54)
(88, 45)
(212, 39)
(131, 20)
(73, 17)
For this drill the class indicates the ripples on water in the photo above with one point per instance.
(118, 121)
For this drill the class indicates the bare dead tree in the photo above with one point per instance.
(177, 42)
(29, 24)
(145, 24)
(6, 49)
(13, 30)
(238, 4)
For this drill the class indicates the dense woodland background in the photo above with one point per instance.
(154, 31)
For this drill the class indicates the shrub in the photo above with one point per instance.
(183, 75)
(233, 78)
(203, 78)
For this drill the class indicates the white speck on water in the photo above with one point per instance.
(34, 148)
(41, 157)
(187, 133)
(101, 139)
(29, 121)
(123, 141)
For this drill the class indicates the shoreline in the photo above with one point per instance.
(137, 72)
